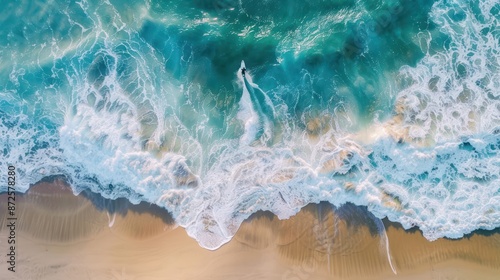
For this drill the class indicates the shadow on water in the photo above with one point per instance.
(120, 206)
(416, 229)
(344, 240)
(268, 215)
(355, 217)
(483, 232)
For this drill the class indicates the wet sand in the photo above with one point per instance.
(62, 236)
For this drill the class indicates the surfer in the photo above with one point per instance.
(261, 104)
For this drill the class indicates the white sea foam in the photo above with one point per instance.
(32, 150)
(246, 113)
(455, 92)
(447, 188)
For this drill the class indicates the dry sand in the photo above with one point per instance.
(62, 236)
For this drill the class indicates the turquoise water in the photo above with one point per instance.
(390, 104)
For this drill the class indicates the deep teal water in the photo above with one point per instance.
(145, 100)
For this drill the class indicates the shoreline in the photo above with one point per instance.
(90, 237)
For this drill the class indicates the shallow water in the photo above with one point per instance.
(145, 101)
(59, 234)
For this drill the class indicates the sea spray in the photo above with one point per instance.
(141, 101)
(259, 119)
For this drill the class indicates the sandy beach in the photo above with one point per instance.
(62, 236)
(266, 139)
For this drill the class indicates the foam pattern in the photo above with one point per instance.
(130, 103)
(455, 92)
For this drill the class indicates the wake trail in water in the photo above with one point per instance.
(257, 110)
(399, 110)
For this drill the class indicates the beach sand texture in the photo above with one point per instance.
(62, 236)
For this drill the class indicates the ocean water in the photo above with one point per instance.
(393, 105)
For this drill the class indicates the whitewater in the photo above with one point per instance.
(392, 105)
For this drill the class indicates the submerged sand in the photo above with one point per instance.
(62, 236)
